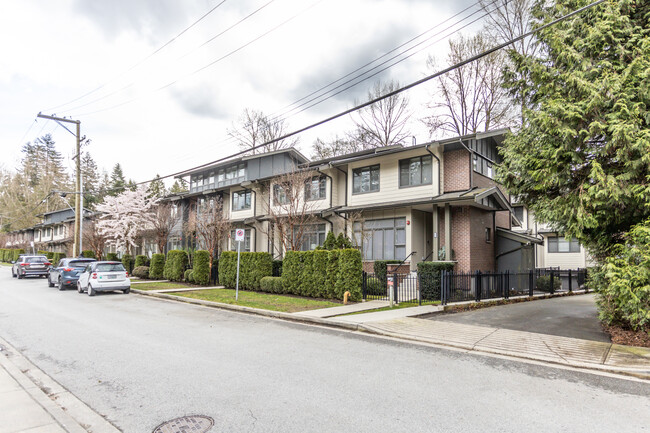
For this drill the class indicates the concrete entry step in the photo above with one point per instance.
(344, 309)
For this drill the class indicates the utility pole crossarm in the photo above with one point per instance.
(58, 119)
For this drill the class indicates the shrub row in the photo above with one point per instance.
(89, 254)
(141, 260)
(128, 261)
(112, 257)
(175, 265)
(252, 268)
(323, 273)
(10, 254)
(271, 285)
(201, 269)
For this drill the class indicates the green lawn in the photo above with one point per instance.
(265, 301)
(158, 286)
(5, 264)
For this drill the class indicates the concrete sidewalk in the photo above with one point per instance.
(25, 407)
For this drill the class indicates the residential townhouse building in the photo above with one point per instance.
(434, 201)
(553, 250)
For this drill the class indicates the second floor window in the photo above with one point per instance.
(246, 244)
(483, 166)
(365, 179)
(279, 195)
(241, 200)
(415, 171)
(558, 244)
(315, 188)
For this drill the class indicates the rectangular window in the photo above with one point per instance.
(279, 195)
(312, 236)
(231, 175)
(558, 244)
(383, 239)
(488, 234)
(315, 188)
(482, 166)
(365, 179)
(245, 246)
(415, 171)
(241, 200)
(519, 213)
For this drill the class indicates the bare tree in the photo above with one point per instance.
(165, 218)
(288, 211)
(470, 98)
(383, 123)
(508, 19)
(338, 146)
(256, 128)
(210, 225)
(94, 238)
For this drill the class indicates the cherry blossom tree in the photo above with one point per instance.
(124, 216)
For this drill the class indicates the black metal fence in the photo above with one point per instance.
(475, 286)
(446, 287)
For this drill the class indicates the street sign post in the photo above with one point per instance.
(239, 238)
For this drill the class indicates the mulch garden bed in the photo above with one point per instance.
(628, 337)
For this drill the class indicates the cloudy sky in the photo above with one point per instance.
(157, 106)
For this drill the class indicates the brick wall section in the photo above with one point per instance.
(503, 219)
(369, 266)
(482, 252)
(460, 237)
(456, 171)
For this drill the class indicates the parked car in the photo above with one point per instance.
(30, 265)
(66, 273)
(104, 276)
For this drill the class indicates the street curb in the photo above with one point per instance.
(250, 310)
(639, 374)
(69, 411)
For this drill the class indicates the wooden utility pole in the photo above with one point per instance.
(78, 212)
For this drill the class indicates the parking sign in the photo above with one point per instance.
(239, 235)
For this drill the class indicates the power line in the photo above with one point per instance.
(141, 61)
(390, 94)
(209, 64)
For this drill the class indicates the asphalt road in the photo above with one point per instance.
(568, 316)
(141, 361)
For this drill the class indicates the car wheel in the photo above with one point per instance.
(49, 282)
(127, 291)
(61, 284)
(20, 276)
(91, 291)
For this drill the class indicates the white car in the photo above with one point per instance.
(104, 276)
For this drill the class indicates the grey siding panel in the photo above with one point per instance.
(59, 216)
(266, 167)
(253, 171)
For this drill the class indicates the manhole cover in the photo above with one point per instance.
(186, 424)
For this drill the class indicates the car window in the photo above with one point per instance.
(78, 263)
(61, 264)
(110, 267)
(35, 259)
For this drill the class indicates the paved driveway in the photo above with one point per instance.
(569, 316)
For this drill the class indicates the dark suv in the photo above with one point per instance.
(66, 273)
(30, 265)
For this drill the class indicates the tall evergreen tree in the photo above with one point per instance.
(91, 181)
(118, 182)
(156, 188)
(581, 160)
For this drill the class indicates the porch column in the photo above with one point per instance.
(447, 232)
(436, 233)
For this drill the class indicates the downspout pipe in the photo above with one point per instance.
(331, 183)
(439, 168)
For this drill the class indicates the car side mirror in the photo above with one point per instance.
(13, 262)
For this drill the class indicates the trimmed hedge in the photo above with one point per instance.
(112, 257)
(429, 274)
(252, 268)
(89, 254)
(141, 272)
(323, 273)
(272, 285)
(17, 252)
(544, 283)
(188, 276)
(201, 273)
(128, 262)
(350, 273)
(157, 266)
(319, 280)
(175, 265)
(141, 260)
